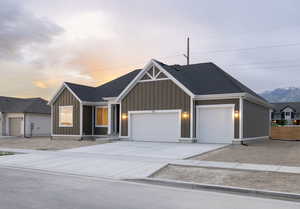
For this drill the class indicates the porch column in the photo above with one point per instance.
(109, 119)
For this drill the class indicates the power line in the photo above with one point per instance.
(207, 52)
(246, 49)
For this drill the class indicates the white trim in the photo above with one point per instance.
(251, 138)
(60, 90)
(233, 96)
(94, 103)
(65, 126)
(186, 90)
(257, 100)
(109, 98)
(120, 121)
(81, 119)
(149, 80)
(241, 113)
(109, 119)
(192, 119)
(219, 96)
(216, 105)
(179, 111)
(232, 106)
(151, 63)
(101, 126)
(51, 125)
(130, 85)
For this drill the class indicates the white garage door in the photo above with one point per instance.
(15, 126)
(160, 126)
(215, 123)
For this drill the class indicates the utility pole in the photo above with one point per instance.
(187, 55)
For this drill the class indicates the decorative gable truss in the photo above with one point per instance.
(153, 74)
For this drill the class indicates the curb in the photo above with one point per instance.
(221, 188)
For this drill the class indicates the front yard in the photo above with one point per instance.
(274, 181)
(274, 152)
(44, 143)
(271, 152)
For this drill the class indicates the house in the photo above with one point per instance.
(24, 117)
(286, 113)
(170, 103)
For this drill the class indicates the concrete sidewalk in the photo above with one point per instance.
(239, 166)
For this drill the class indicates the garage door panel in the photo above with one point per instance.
(155, 126)
(215, 124)
(15, 126)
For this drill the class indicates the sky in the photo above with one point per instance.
(90, 42)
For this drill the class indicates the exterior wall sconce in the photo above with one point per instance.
(124, 116)
(236, 114)
(185, 115)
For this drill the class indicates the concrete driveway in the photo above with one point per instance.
(119, 160)
(149, 149)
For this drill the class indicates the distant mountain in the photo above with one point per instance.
(291, 94)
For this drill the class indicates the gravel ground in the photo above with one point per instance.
(273, 152)
(273, 181)
(44, 143)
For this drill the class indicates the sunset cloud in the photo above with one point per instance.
(44, 43)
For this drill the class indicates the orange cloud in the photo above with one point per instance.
(40, 84)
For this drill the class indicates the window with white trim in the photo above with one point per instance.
(65, 116)
(101, 116)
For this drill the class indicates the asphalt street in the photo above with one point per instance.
(29, 189)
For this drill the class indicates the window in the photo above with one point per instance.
(287, 113)
(66, 116)
(101, 116)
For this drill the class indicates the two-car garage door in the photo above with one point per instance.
(214, 124)
(155, 126)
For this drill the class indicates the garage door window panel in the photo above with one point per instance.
(66, 116)
(101, 117)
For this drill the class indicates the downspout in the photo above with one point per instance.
(24, 122)
(241, 124)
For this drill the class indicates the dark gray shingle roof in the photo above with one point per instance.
(207, 78)
(109, 89)
(280, 106)
(200, 79)
(20, 105)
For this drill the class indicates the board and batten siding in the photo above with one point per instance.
(256, 120)
(156, 95)
(236, 103)
(66, 98)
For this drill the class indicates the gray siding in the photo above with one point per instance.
(66, 98)
(255, 120)
(156, 95)
(236, 102)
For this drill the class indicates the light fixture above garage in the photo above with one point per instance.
(185, 115)
(124, 116)
(236, 114)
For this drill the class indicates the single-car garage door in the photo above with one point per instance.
(155, 126)
(215, 123)
(15, 126)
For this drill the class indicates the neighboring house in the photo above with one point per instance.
(163, 103)
(24, 117)
(287, 113)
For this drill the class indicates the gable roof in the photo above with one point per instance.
(198, 79)
(109, 89)
(207, 78)
(20, 105)
(278, 107)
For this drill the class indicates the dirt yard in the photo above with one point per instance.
(273, 152)
(273, 181)
(44, 143)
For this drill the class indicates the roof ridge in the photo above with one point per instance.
(79, 85)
